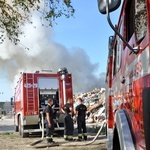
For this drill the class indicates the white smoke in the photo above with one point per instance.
(44, 53)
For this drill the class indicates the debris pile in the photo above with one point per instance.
(95, 102)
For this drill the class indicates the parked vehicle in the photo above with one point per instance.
(31, 95)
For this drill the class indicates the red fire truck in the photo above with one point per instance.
(128, 75)
(31, 95)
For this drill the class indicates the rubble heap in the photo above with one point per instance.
(95, 102)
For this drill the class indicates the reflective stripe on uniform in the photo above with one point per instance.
(47, 137)
(79, 135)
(84, 134)
(65, 136)
(70, 137)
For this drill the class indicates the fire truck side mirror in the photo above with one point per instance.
(113, 5)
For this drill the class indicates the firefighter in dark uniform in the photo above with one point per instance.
(68, 121)
(80, 115)
(49, 122)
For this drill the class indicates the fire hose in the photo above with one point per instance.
(65, 144)
(42, 127)
(94, 139)
(98, 133)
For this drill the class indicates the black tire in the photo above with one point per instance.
(146, 116)
(16, 128)
(106, 129)
(116, 143)
(21, 130)
(19, 125)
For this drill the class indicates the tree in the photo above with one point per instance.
(14, 13)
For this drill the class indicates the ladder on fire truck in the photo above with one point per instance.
(30, 92)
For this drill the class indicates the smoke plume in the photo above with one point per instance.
(44, 53)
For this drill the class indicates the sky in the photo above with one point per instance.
(79, 43)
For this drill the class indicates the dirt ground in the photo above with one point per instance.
(10, 140)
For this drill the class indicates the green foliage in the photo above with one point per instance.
(14, 13)
(6, 133)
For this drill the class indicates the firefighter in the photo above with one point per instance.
(68, 120)
(49, 122)
(81, 124)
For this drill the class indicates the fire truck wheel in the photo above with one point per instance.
(16, 128)
(106, 129)
(21, 130)
(19, 123)
(146, 116)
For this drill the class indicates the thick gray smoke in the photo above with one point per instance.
(44, 53)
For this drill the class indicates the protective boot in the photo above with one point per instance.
(79, 137)
(85, 137)
(65, 137)
(50, 141)
(70, 138)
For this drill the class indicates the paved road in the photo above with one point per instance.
(6, 124)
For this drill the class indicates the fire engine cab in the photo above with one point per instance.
(31, 95)
(128, 75)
